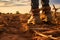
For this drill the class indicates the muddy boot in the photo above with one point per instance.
(35, 11)
(37, 20)
(49, 18)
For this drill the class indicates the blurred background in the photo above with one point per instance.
(23, 6)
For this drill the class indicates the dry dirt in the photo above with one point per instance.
(18, 29)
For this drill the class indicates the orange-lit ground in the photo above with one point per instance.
(15, 27)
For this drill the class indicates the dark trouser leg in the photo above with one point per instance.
(47, 12)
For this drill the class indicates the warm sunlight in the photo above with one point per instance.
(13, 9)
(22, 7)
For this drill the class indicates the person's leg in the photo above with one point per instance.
(35, 11)
(47, 10)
